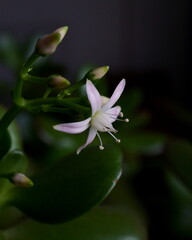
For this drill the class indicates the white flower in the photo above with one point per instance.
(103, 115)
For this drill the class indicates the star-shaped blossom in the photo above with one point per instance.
(102, 117)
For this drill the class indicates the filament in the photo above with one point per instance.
(101, 143)
(116, 139)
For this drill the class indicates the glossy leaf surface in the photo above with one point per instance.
(99, 224)
(70, 187)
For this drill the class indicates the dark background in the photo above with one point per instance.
(146, 41)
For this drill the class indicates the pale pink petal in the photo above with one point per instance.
(90, 138)
(73, 128)
(115, 96)
(113, 113)
(93, 96)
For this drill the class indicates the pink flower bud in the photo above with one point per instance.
(47, 44)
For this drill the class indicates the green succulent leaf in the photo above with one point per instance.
(70, 187)
(179, 160)
(5, 144)
(1, 236)
(99, 224)
(14, 161)
(9, 52)
(180, 208)
(11, 138)
(144, 143)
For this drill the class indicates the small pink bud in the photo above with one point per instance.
(57, 81)
(98, 73)
(47, 44)
(20, 180)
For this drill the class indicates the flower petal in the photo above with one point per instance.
(91, 136)
(93, 96)
(115, 96)
(73, 128)
(113, 113)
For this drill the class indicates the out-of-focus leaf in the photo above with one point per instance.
(1, 236)
(5, 144)
(61, 144)
(11, 139)
(14, 161)
(138, 121)
(144, 143)
(180, 207)
(123, 195)
(131, 101)
(9, 216)
(9, 52)
(70, 187)
(15, 136)
(179, 160)
(99, 224)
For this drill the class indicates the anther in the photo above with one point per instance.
(101, 147)
(117, 140)
(121, 114)
(123, 120)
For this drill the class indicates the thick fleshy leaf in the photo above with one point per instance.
(14, 161)
(70, 187)
(116, 95)
(180, 206)
(93, 96)
(1, 236)
(179, 160)
(5, 144)
(11, 139)
(9, 52)
(144, 143)
(99, 224)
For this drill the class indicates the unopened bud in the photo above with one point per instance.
(57, 81)
(20, 180)
(98, 73)
(47, 44)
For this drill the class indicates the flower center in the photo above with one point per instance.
(101, 121)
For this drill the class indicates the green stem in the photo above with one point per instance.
(37, 103)
(17, 95)
(35, 79)
(47, 92)
(8, 118)
(72, 88)
(55, 109)
(28, 64)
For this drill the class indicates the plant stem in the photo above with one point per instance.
(36, 103)
(35, 79)
(72, 88)
(17, 95)
(28, 64)
(8, 118)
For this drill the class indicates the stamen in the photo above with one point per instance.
(123, 120)
(101, 144)
(116, 139)
(121, 114)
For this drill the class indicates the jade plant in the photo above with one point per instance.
(46, 202)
